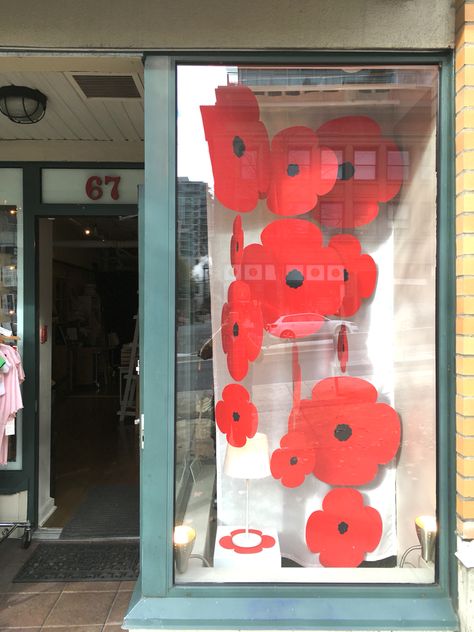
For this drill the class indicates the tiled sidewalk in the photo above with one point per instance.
(59, 607)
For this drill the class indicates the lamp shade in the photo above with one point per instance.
(22, 104)
(250, 461)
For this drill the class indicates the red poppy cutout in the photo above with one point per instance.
(301, 170)
(237, 245)
(370, 171)
(266, 542)
(238, 146)
(345, 530)
(242, 329)
(342, 348)
(294, 277)
(360, 273)
(293, 461)
(350, 432)
(236, 416)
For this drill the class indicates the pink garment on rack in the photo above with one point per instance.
(11, 402)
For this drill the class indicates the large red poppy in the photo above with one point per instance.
(238, 146)
(293, 461)
(370, 171)
(295, 278)
(301, 171)
(345, 530)
(350, 432)
(236, 416)
(360, 273)
(242, 329)
(237, 245)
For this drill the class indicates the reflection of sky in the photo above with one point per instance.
(196, 87)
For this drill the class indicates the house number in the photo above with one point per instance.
(95, 190)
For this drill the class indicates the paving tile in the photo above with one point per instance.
(107, 628)
(33, 587)
(27, 609)
(120, 607)
(21, 629)
(91, 586)
(128, 585)
(71, 628)
(81, 608)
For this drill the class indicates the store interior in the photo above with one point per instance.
(88, 302)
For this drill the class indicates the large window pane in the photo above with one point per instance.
(306, 377)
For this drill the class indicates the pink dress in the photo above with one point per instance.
(11, 402)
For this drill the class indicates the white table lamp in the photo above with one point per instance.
(252, 461)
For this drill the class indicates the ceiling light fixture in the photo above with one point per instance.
(22, 105)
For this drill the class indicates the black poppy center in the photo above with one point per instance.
(237, 248)
(292, 170)
(342, 527)
(235, 416)
(345, 171)
(294, 279)
(346, 275)
(235, 329)
(293, 460)
(238, 146)
(343, 432)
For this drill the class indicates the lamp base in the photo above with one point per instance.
(247, 539)
(236, 549)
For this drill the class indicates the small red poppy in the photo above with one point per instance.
(237, 245)
(370, 171)
(236, 416)
(350, 432)
(266, 542)
(238, 146)
(293, 461)
(342, 348)
(360, 273)
(242, 329)
(301, 170)
(294, 277)
(345, 530)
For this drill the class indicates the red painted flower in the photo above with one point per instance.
(350, 432)
(237, 245)
(266, 542)
(345, 530)
(238, 146)
(293, 461)
(360, 273)
(242, 329)
(370, 171)
(236, 416)
(294, 277)
(342, 348)
(301, 170)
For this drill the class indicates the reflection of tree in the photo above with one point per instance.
(185, 290)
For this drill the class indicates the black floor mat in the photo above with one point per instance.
(88, 561)
(108, 511)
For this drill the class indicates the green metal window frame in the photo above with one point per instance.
(157, 602)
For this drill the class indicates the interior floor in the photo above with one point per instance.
(90, 447)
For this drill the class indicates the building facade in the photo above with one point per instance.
(365, 108)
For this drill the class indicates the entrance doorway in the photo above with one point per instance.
(87, 309)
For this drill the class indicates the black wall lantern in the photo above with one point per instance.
(21, 104)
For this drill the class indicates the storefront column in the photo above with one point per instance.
(464, 85)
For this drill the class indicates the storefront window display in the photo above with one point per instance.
(11, 304)
(305, 426)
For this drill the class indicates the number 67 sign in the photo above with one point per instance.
(87, 186)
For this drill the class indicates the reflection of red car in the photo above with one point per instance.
(301, 325)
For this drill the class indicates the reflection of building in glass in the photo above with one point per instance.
(192, 220)
(8, 267)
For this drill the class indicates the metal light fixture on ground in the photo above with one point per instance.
(22, 105)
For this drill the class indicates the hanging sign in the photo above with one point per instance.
(91, 186)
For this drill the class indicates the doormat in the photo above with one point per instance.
(70, 562)
(108, 511)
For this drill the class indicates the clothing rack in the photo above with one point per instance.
(7, 528)
(127, 403)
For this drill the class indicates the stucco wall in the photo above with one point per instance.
(227, 24)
